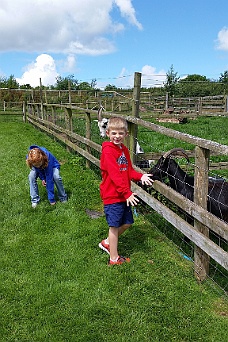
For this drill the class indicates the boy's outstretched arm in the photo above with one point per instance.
(132, 200)
(145, 179)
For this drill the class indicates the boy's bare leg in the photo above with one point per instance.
(113, 242)
(112, 239)
(122, 228)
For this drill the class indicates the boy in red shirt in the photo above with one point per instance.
(115, 188)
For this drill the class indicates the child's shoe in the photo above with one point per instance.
(34, 205)
(105, 246)
(119, 261)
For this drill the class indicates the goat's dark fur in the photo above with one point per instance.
(180, 181)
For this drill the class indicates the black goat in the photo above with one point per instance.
(179, 180)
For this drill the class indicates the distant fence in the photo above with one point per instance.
(185, 105)
(58, 120)
(120, 101)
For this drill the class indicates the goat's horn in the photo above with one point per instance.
(176, 151)
(99, 113)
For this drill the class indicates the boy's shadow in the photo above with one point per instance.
(133, 240)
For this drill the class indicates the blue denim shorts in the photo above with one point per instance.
(118, 214)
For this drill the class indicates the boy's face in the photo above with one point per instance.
(116, 136)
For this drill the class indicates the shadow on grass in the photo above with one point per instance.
(134, 240)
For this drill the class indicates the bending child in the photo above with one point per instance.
(45, 166)
(115, 188)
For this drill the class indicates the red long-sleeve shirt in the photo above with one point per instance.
(117, 173)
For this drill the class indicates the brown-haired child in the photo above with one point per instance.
(45, 166)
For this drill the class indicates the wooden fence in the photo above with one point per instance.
(43, 116)
(121, 101)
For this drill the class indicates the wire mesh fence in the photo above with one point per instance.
(217, 185)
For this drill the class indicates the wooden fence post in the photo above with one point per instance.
(166, 101)
(68, 118)
(69, 89)
(226, 103)
(32, 95)
(69, 123)
(200, 105)
(24, 106)
(133, 129)
(41, 100)
(88, 136)
(201, 259)
(53, 114)
(45, 96)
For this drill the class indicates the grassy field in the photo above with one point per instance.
(55, 284)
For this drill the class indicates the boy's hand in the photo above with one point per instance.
(132, 200)
(145, 179)
(43, 182)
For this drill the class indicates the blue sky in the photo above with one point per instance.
(109, 40)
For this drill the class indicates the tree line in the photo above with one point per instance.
(191, 86)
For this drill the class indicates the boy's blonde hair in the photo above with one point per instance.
(117, 123)
(37, 158)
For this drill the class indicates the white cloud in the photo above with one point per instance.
(68, 28)
(99, 46)
(128, 11)
(69, 63)
(125, 79)
(222, 41)
(44, 68)
(58, 26)
(151, 77)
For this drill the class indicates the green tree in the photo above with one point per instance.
(25, 86)
(197, 85)
(3, 82)
(224, 77)
(110, 87)
(84, 86)
(62, 83)
(12, 83)
(195, 78)
(224, 80)
(193, 85)
(171, 81)
(93, 83)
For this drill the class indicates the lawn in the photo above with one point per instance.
(55, 284)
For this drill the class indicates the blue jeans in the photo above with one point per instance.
(34, 191)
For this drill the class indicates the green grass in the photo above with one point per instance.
(210, 128)
(55, 284)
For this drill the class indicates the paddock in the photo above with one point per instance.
(58, 120)
(55, 280)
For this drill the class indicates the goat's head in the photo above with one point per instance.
(166, 164)
(102, 125)
(102, 122)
